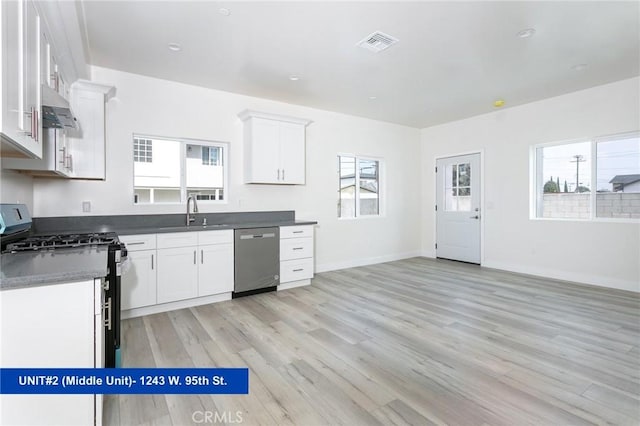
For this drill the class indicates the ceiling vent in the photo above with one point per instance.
(377, 41)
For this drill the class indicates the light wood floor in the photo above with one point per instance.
(417, 342)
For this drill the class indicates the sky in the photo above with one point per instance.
(615, 157)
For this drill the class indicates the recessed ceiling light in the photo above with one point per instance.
(373, 98)
(294, 78)
(579, 67)
(526, 33)
(224, 11)
(498, 103)
(175, 47)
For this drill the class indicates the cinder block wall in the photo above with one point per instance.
(571, 205)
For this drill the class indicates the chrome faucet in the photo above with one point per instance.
(195, 209)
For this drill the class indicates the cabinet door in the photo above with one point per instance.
(20, 28)
(215, 274)
(177, 274)
(292, 153)
(139, 283)
(37, 333)
(30, 106)
(87, 145)
(265, 151)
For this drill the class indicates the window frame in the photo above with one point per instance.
(535, 171)
(183, 168)
(381, 186)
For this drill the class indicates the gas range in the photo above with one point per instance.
(62, 241)
(15, 237)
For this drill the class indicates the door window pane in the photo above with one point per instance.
(458, 187)
(618, 177)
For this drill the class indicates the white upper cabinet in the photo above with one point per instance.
(41, 45)
(21, 115)
(274, 148)
(87, 144)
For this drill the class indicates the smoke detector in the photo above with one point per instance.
(377, 41)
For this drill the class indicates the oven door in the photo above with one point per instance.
(112, 329)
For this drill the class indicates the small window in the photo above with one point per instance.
(359, 188)
(178, 170)
(142, 151)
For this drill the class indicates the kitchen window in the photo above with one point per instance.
(597, 178)
(179, 168)
(359, 186)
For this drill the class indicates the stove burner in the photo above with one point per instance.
(51, 242)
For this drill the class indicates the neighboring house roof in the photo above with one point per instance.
(625, 179)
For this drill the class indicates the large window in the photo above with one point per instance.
(359, 188)
(597, 178)
(178, 169)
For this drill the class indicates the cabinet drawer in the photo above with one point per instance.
(296, 248)
(177, 239)
(139, 242)
(215, 237)
(294, 270)
(296, 231)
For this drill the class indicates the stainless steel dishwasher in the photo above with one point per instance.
(257, 260)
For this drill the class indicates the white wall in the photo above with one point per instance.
(602, 253)
(156, 107)
(16, 188)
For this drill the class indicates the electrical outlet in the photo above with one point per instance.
(86, 206)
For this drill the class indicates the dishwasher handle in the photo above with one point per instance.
(252, 236)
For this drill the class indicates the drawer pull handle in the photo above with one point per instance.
(298, 232)
(298, 270)
(137, 243)
(298, 248)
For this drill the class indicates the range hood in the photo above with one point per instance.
(56, 112)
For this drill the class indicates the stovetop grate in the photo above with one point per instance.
(62, 241)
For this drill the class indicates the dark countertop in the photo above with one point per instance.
(27, 269)
(54, 267)
(212, 227)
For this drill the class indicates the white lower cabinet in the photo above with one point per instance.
(139, 283)
(172, 267)
(139, 280)
(215, 273)
(63, 329)
(177, 274)
(296, 255)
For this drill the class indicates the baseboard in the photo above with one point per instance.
(172, 306)
(325, 267)
(294, 284)
(428, 253)
(599, 281)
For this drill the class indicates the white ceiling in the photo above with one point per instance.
(452, 61)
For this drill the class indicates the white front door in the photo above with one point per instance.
(458, 208)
